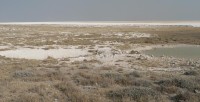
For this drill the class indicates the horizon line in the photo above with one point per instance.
(110, 23)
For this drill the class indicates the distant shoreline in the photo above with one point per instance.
(111, 23)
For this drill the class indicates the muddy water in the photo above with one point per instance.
(188, 52)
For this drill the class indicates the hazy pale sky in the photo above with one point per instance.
(98, 10)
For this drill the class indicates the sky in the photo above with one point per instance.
(98, 10)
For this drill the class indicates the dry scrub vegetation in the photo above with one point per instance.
(34, 81)
(54, 80)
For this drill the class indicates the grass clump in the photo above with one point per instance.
(127, 79)
(74, 94)
(188, 84)
(119, 79)
(29, 98)
(186, 97)
(89, 79)
(191, 73)
(22, 73)
(134, 74)
(138, 94)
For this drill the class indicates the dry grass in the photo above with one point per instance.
(125, 46)
(89, 85)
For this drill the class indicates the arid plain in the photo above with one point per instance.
(58, 63)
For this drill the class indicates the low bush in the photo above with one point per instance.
(191, 73)
(87, 79)
(133, 74)
(186, 97)
(74, 94)
(138, 94)
(23, 73)
(189, 84)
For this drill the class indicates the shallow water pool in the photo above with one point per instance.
(188, 52)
